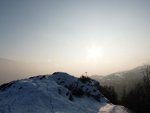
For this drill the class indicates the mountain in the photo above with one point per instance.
(122, 81)
(13, 69)
(56, 93)
(8, 70)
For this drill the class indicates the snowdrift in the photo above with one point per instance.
(56, 93)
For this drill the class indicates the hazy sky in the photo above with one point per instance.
(97, 36)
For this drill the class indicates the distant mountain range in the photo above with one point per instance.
(121, 81)
(9, 70)
(12, 70)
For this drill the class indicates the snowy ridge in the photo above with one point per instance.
(51, 94)
(88, 87)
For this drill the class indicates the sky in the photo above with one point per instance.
(76, 36)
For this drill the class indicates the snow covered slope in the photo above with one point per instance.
(54, 94)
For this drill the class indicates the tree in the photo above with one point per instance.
(109, 93)
(146, 78)
(138, 99)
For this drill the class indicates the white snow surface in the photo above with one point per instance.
(44, 94)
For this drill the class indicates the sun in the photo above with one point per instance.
(94, 52)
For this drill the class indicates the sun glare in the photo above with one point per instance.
(94, 52)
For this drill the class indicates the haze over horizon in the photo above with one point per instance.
(94, 36)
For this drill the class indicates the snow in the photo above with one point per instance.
(112, 109)
(47, 94)
(68, 81)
